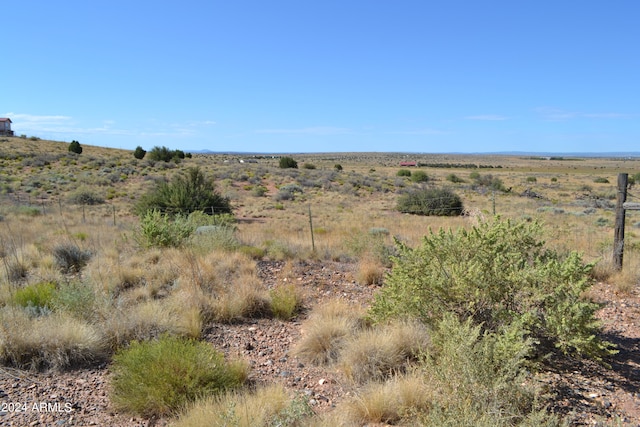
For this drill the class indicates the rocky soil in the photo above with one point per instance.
(588, 393)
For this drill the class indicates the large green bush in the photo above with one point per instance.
(160, 377)
(184, 194)
(75, 147)
(500, 275)
(288, 162)
(430, 201)
(139, 153)
(164, 154)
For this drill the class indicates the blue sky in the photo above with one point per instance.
(326, 76)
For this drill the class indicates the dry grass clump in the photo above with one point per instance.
(326, 330)
(285, 300)
(53, 341)
(268, 406)
(380, 352)
(396, 402)
(370, 271)
(151, 319)
(245, 297)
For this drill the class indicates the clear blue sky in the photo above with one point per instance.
(324, 76)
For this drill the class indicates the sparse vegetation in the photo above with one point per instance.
(458, 340)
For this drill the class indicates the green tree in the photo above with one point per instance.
(75, 147)
(184, 194)
(288, 162)
(139, 153)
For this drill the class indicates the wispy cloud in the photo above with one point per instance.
(318, 130)
(487, 117)
(557, 114)
(67, 126)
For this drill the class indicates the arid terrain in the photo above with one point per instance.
(573, 198)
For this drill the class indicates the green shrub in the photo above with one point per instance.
(183, 195)
(139, 153)
(452, 177)
(601, 180)
(500, 275)
(475, 382)
(160, 230)
(419, 176)
(160, 377)
(75, 147)
(403, 172)
(493, 183)
(85, 196)
(308, 166)
(75, 298)
(39, 295)
(70, 258)
(337, 167)
(532, 179)
(163, 154)
(287, 163)
(430, 201)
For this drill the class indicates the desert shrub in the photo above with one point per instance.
(288, 192)
(160, 377)
(601, 180)
(184, 195)
(430, 201)
(287, 163)
(337, 167)
(452, 177)
(259, 191)
(139, 153)
(161, 230)
(403, 172)
(532, 179)
(75, 147)
(419, 176)
(500, 275)
(488, 180)
(286, 300)
(69, 258)
(85, 196)
(38, 295)
(75, 298)
(163, 154)
(308, 166)
(471, 380)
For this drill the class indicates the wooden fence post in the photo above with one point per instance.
(618, 238)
